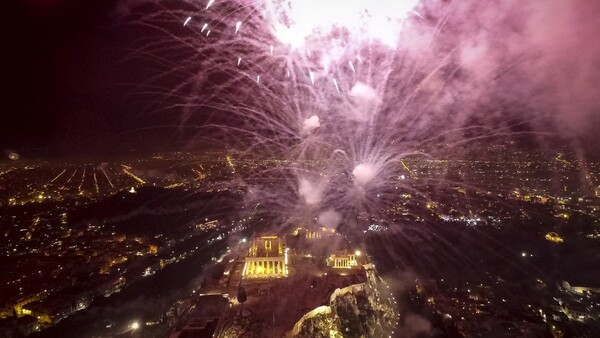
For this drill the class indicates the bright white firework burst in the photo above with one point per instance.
(339, 93)
(302, 23)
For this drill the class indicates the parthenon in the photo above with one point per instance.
(267, 257)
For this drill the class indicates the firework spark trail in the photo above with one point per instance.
(345, 94)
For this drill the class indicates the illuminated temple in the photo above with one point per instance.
(313, 232)
(343, 260)
(267, 257)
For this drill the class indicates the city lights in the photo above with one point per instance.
(241, 168)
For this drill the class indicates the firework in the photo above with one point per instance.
(342, 91)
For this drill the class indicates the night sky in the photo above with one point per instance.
(71, 88)
(68, 85)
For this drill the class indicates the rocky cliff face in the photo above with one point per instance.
(355, 311)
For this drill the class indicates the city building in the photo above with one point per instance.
(554, 237)
(206, 319)
(580, 289)
(343, 260)
(313, 232)
(267, 257)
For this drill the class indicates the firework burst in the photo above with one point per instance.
(342, 92)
